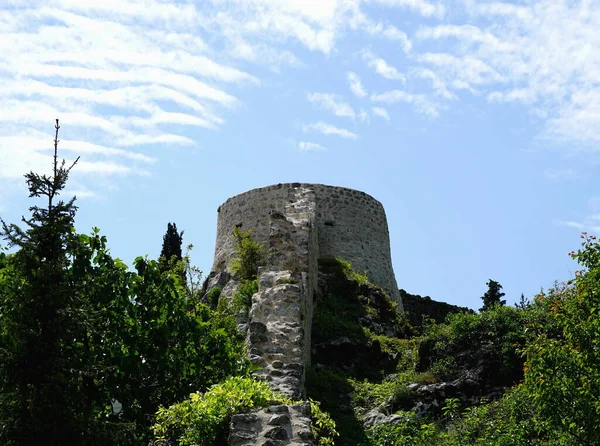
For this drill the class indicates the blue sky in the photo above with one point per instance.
(475, 123)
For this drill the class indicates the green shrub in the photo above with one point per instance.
(250, 255)
(212, 297)
(494, 336)
(242, 299)
(323, 426)
(203, 419)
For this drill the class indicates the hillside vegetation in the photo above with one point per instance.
(95, 353)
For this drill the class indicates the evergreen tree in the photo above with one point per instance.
(171, 252)
(492, 296)
(43, 370)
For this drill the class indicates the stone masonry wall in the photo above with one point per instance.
(349, 224)
(297, 223)
(279, 325)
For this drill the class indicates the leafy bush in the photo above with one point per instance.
(250, 255)
(466, 339)
(562, 376)
(323, 426)
(203, 419)
(212, 296)
(242, 299)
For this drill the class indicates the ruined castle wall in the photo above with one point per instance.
(353, 225)
(349, 224)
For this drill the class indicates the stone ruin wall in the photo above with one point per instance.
(297, 223)
(349, 224)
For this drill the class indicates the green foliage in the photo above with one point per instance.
(348, 302)
(493, 336)
(410, 431)
(562, 375)
(492, 296)
(250, 255)
(242, 299)
(203, 419)
(45, 370)
(212, 296)
(346, 268)
(323, 426)
(78, 329)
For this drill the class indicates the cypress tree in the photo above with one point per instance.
(171, 254)
(172, 241)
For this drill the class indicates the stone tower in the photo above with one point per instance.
(348, 223)
(297, 223)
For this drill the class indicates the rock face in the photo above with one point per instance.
(417, 306)
(297, 224)
(348, 224)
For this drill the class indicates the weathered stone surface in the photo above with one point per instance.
(277, 433)
(276, 420)
(348, 223)
(279, 323)
(374, 417)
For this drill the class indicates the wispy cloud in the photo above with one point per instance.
(381, 67)
(540, 54)
(356, 85)
(328, 129)
(426, 9)
(117, 74)
(421, 102)
(590, 222)
(332, 103)
(561, 174)
(381, 112)
(306, 146)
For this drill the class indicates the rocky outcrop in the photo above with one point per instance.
(416, 307)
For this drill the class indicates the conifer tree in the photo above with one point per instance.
(43, 323)
(172, 241)
(492, 296)
(171, 253)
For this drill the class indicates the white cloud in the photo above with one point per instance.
(332, 103)
(381, 67)
(359, 21)
(590, 222)
(381, 112)
(363, 116)
(310, 146)
(561, 174)
(423, 7)
(465, 72)
(356, 85)
(541, 54)
(421, 102)
(328, 129)
(440, 87)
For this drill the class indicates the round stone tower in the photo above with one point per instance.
(349, 224)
